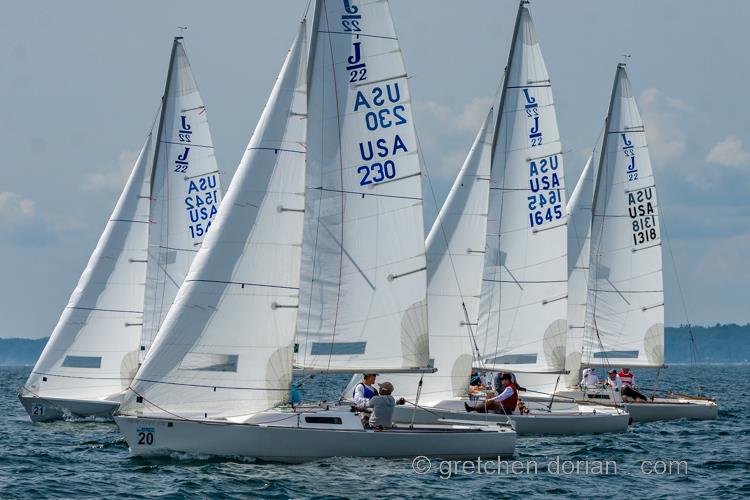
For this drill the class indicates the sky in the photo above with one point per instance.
(81, 82)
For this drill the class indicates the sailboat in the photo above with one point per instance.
(497, 261)
(132, 277)
(619, 267)
(330, 180)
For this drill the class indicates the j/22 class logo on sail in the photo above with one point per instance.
(629, 151)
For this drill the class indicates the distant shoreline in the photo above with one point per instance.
(715, 345)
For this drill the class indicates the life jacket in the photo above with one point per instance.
(511, 403)
(627, 379)
(368, 392)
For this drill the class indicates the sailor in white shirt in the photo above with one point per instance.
(614, 383)
(589, 378)
(364, 391)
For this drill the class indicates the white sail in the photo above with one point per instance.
(363, 285)
(225, 347)
(455, 259)
(579, 244)
(93, 350)
(185, 191)
(625, 308)
(522, 325)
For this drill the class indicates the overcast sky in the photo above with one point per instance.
(81, 80)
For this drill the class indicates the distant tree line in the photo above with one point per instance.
(719, 343)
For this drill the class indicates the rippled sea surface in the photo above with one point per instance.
(90, 459)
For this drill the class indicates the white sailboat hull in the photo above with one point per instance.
(282, 440)
(50, 409)
(664, 409)
(660, 409)
(556, 422)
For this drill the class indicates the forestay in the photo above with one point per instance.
(92, 352)
(625, 309)
(363, 285)
(523, 307)
(185, 191)
(225, 348)
(455, 258)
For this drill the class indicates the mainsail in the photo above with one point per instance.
(143, 255)
(625, 307)
(522, 325)
(225, 348)
(185, 191)
(455, 258)
(92, 351)
(363, 285)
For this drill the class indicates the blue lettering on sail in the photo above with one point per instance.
(181, 163)
(532, 112)
(545, 201)
(201, 204)
(629, 152)
(185, 132)
(350, 20)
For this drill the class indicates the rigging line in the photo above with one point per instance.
(179, 417)
(341, 181)
(78, 377)
(439, 221)
(209, 386)
(358, 193)
(694, 358)
(552, 399)
(416, 401)
(309, 67)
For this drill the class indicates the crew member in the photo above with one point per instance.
(382, 407)
(589, 377)
(364, 391)
(505, 402)
(614, 384)
(498, 384)
(628, 385)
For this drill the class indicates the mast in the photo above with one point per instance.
(163, 110)
(506, 72)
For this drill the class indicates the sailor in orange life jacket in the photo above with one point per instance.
(628, 385)
(505, 402)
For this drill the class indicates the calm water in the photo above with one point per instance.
(90, 459)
